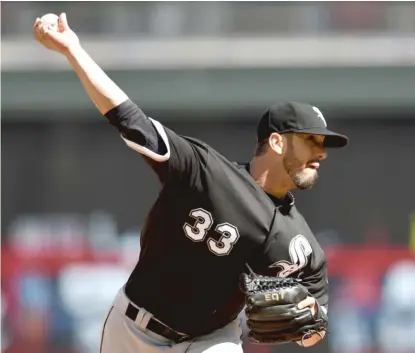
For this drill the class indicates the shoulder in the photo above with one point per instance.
(216, 162)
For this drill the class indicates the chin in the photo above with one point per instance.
(305, 186)
(305, 180)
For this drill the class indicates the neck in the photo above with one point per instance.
(273, 181)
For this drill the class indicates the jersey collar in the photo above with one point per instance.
(285, 203)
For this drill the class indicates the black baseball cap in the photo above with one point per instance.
(297, 117)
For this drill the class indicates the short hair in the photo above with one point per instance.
(262, 147)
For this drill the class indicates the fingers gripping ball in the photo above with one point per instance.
(272, 312)
(54, 33)
(51, 20)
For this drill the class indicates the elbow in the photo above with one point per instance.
(124, 114)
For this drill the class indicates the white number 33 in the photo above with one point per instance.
(203, 222)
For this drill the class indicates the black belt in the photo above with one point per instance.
(157, 327)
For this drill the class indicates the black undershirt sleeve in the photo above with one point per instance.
(135, 126)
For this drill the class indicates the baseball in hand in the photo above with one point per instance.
(51, 20)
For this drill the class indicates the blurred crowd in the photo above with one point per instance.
(54, 265)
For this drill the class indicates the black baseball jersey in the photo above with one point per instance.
(210, 220)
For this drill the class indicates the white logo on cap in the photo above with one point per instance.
(320, 115)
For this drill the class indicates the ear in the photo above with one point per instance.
(276, 143)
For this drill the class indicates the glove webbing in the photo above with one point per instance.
(306, 335)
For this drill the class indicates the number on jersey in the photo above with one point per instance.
(201, 226)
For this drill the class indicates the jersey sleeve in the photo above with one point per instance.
(168, 154)
(317, 284)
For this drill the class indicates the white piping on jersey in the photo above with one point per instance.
(291, 203)
(145, 151)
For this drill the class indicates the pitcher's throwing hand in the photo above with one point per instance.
(56, 36)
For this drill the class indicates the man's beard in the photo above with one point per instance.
(302, 178)
(304, 181)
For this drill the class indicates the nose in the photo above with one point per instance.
(322, 154)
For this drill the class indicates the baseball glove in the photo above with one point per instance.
(272, 312)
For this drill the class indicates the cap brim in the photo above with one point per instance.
(332, 140)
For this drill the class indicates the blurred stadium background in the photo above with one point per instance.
(74, 196)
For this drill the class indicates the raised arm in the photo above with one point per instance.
(104, 93)
(146, 136)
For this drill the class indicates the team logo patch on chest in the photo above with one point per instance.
(299, 251)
